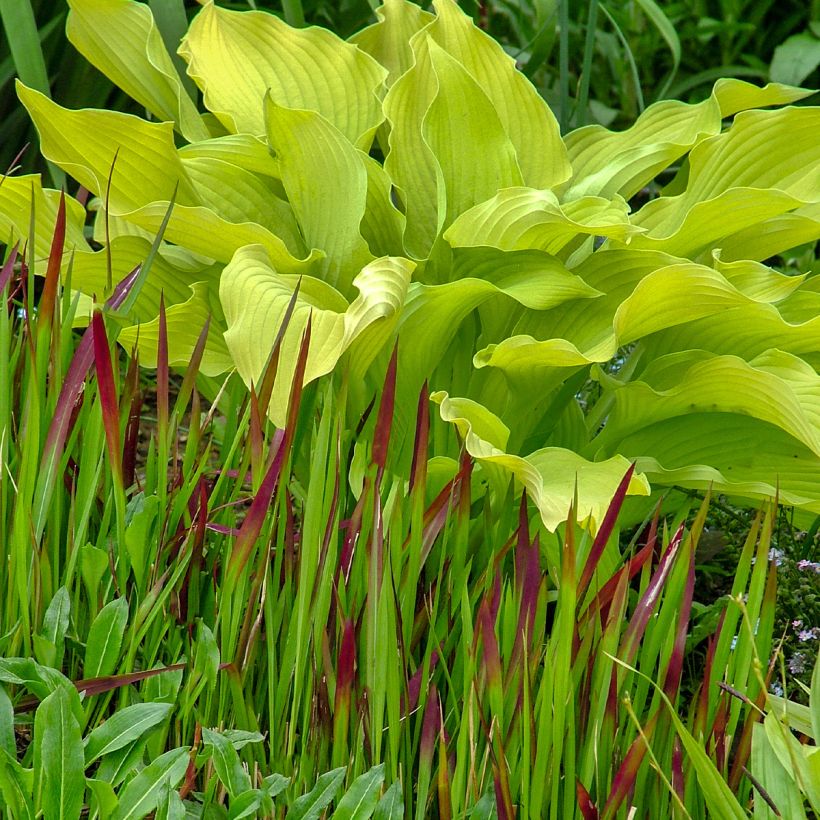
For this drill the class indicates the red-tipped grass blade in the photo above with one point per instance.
(646, 605)
(48, 298)
(674, 668)
(418, 469)
(108, 393)
(70, 394)
(8, 267)
(585, 803)
(384, 421)
(280, 444)
(604, 532)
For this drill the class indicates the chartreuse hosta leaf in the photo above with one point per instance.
(474, 154)
(122, 40)
(388, 41)
(325, 178)
(148, 171)
(255, 297)
(238, 57)
(732, 186)
(185, 322)
(606, 162)
(551, 475)
(525, 117)
(22, 195)
(86, 142)
(523, 218)
(776, 388)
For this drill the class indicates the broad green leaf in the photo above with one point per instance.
(758, 281)
(775, 235)
(745, 331)
(707, 224)
(55, 625)
(674, 295)
(523, 218)
(359, 801)
(122, 40)
(142, 793)
(276, 784)
(382, 225)
(794, 758)
(255, 298)
(388, 41)
(605, 162)
(734, 454)
(59, 757)
(123, 727)
(325, 178)
(776, 388)
(18, 195)
(311, 805)
(236, 58)
(474, 154)
(172, 276)
(201, 230)
(246, 804)
(16, 787)
(85, 142)
(170, 806)
(410, 162)
(185, 322)
(798, 716)
(105, 639)
(774, 769)
(226, 763)
(239, 196)
(105, 796)
(734, 160)
(795, 59)
(243, 150)
(551, 475)
(117, 766)
(391, 806)
(525, 117)
(7, 742)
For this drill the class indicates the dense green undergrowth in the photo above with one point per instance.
(434, 359)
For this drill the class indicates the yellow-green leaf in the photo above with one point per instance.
(237, 58)
(121, 39)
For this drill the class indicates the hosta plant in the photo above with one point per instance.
(570, 314)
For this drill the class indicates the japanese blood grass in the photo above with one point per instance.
(282, 625)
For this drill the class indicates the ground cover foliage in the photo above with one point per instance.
(433, 360)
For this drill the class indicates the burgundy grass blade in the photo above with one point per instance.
(384, 422)
(624, 781)
(674, 668)
(8, 267)
(272, 365)
(646, 605)
(585, 804)
(132, 428)
(108, 393)
(48, 298)
(418, 469)
(189, 379)
(604, 532)
(74, 381)
(431, 723)
(281, 442)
